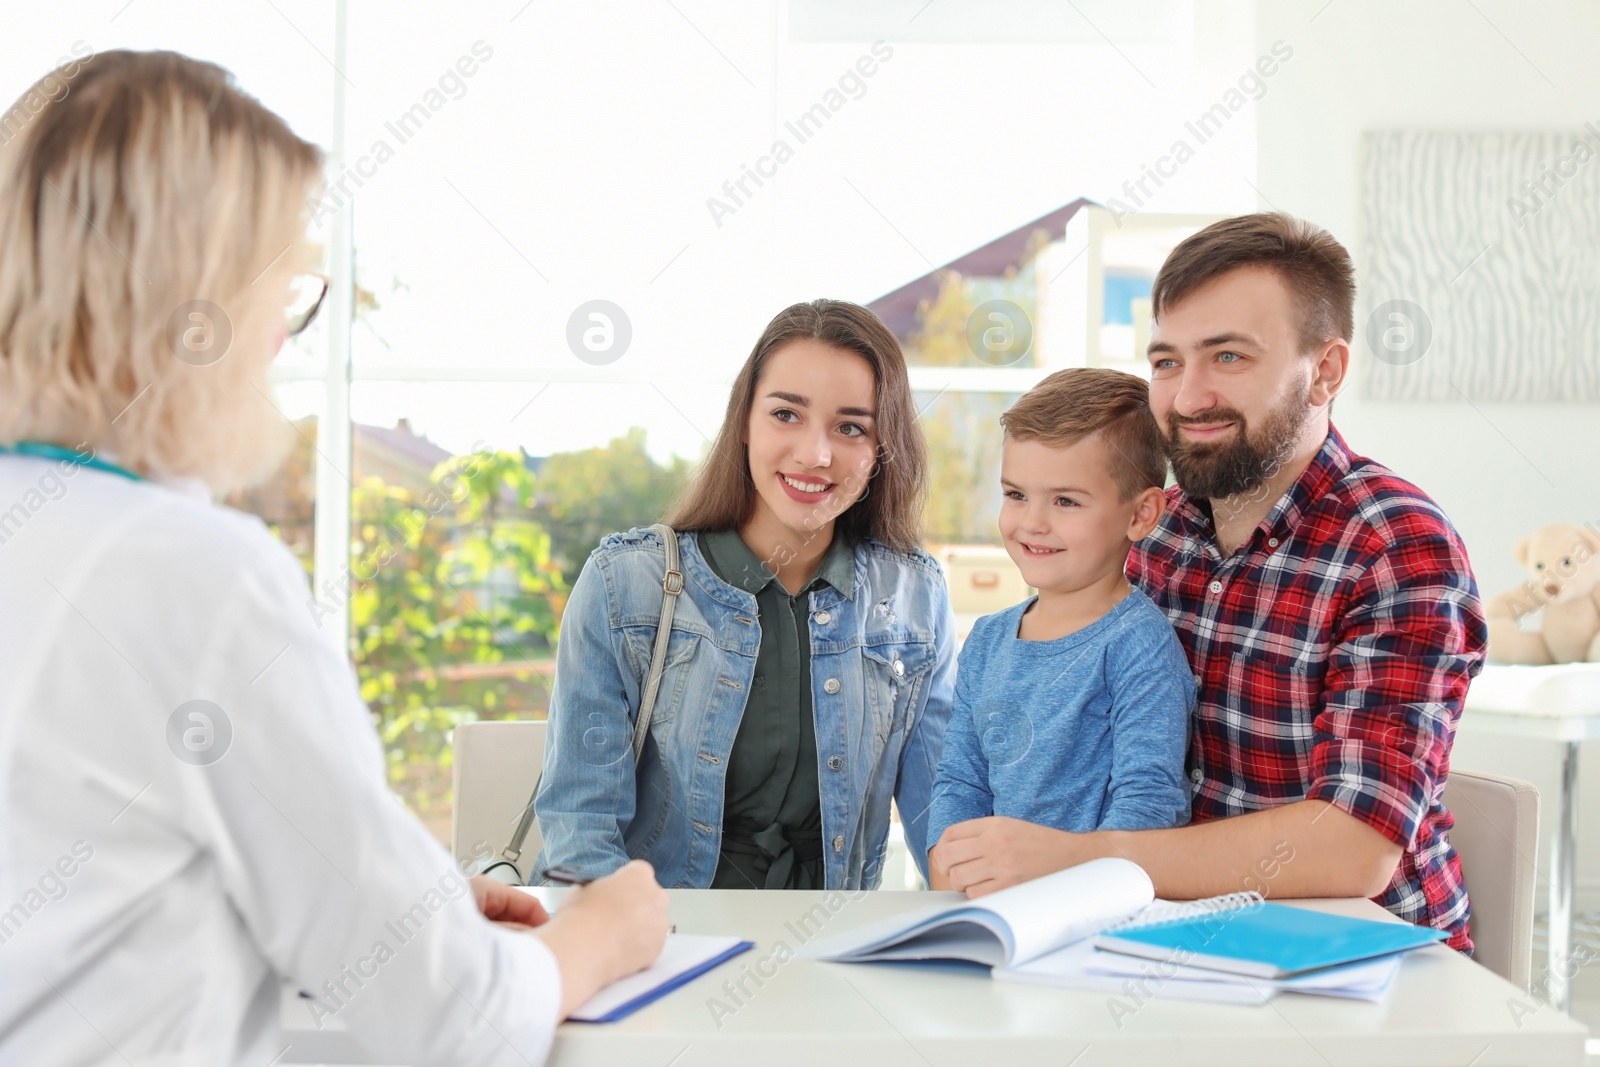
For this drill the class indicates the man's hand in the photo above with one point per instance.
(980, 856)
(507, 905)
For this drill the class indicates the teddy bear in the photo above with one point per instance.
(1563, 564)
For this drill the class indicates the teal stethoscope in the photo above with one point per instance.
(41, 450)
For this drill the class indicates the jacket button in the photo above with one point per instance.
(834, 763)
(838, 844)
(824, 618)
(899, 668)
(831, 686)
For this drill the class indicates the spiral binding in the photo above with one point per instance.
(1189, 909)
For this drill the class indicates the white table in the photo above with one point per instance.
(1560, 704)
(1445, 1010)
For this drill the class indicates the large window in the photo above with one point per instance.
(465, 541)
(555, 230)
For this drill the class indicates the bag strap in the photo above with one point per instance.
(671, 586)
(505, 867)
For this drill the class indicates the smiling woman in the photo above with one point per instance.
(811, 445)
(811, 656)
(848, 351)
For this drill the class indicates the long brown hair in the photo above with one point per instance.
(722, 495)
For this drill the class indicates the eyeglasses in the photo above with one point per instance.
(306, 295)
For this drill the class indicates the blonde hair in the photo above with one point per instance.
(150, 191)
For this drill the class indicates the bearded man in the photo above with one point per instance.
(1326, 606)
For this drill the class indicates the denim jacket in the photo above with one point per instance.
(882, 675)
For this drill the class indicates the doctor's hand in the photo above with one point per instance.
(980, 856)
(607, 930)
(508, 906)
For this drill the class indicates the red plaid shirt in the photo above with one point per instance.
(1332, 653)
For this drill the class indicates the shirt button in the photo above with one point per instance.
(1195, 776)
(824, 618)
(1272, 542)
(834, 763)
(1216, 587)
(838, 844)
(831, 686)
(899, 668)
(1199, 680)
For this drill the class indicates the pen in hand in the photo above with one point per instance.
(570, 876)
(560, 875)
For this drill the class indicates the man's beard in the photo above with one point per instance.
(1248, 460)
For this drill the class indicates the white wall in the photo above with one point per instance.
(1501, 470)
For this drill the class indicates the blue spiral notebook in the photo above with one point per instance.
(684, 958)
(1261, 940)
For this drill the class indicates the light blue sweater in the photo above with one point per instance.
(1085, 732)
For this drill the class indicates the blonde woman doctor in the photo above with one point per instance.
(192, 796)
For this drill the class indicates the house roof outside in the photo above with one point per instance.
(402, 441)
(899, 309)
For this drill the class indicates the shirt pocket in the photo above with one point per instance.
(1280, 698)
(895, 667)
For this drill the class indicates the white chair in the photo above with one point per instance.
(497, 765)
(1497, 835)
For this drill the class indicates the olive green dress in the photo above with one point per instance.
(772, 807)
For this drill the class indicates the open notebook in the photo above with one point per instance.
(1039, 932)
(1003, 929)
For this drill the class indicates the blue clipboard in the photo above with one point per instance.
(650, 996)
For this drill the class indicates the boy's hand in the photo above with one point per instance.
(980, 856)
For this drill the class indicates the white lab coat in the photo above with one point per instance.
(150, 900)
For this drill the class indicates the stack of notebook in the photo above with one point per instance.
(1098, 926)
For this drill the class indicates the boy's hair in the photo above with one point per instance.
(1072, 404)
(1315, 268)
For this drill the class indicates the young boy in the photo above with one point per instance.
(1072, 708)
